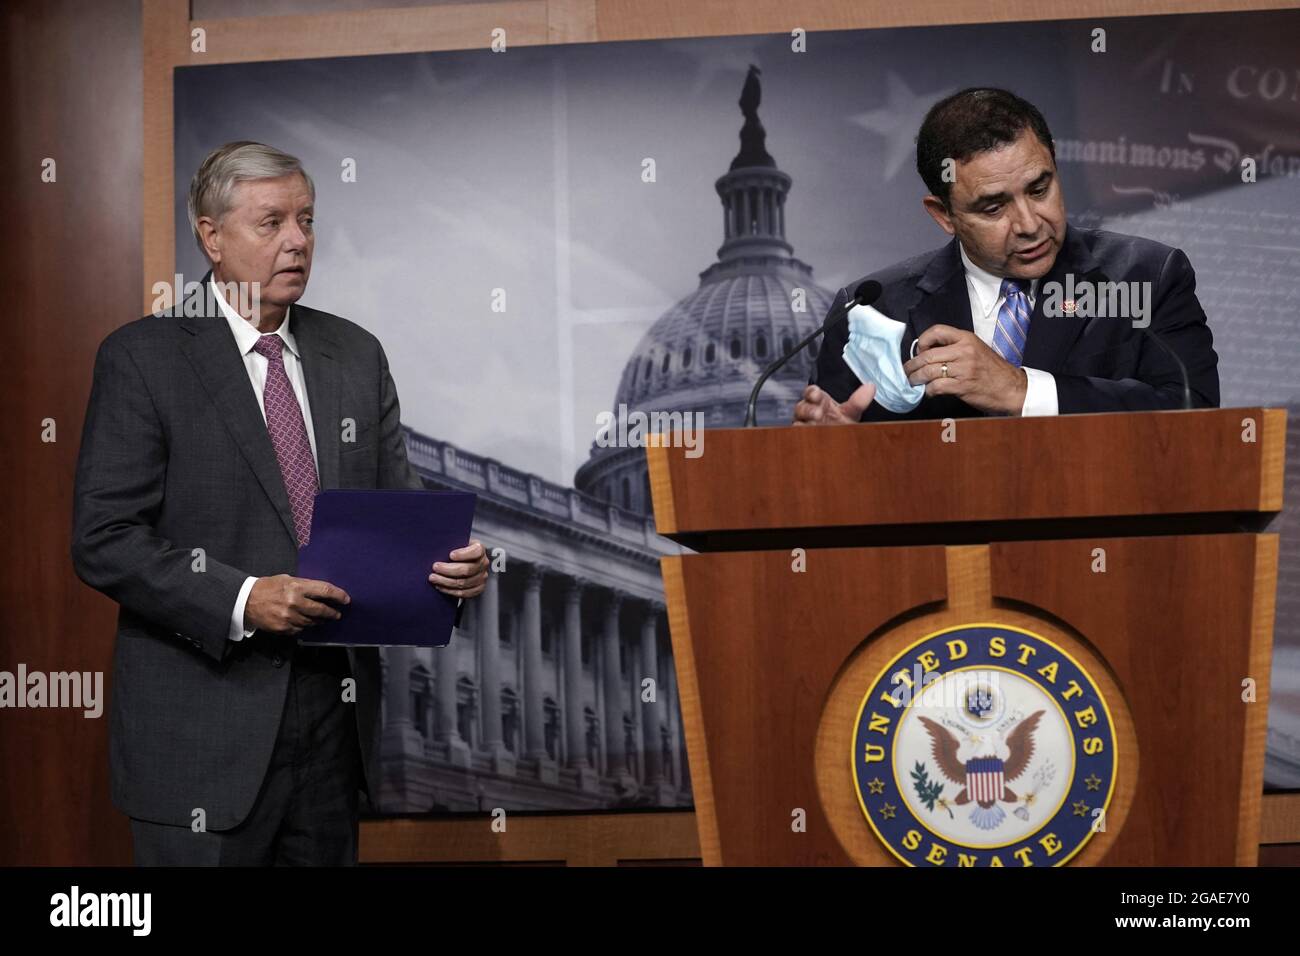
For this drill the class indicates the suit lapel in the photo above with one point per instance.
(1050, 337)
(943, 297)
(320, 368)
(215, 357)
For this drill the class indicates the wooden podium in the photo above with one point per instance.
(1125, 547)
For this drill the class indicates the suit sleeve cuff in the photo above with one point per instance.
(237, 630)
(1040, 395)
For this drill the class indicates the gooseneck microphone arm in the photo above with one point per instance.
(865, 294)
(1182, 369)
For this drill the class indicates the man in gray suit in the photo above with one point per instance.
(209, 430)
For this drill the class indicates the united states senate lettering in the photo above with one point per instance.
(984, 745)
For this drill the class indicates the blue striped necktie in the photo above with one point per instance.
(1013, 323)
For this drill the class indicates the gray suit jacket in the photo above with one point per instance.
(175, 456)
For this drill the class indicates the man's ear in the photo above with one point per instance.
(939, 213)
(208, 235)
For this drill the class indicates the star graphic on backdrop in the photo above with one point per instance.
(876, 786)
(428, 83)
(721, 58)
(887, 811)
(898, 120)
(1080, 808)
(1092, 781)
(444, 80)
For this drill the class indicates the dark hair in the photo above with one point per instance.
(973, 121)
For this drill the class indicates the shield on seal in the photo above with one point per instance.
(984, 780)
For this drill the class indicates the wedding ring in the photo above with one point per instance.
(943, 370)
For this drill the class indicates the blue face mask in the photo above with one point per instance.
(874, 353)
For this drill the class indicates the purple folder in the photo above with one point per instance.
(380, 547)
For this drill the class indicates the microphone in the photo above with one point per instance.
(1097, 276)
(865, 294)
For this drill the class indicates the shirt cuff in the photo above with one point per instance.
(237, 630)
(1040, 395)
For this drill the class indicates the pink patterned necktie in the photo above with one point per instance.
(289, 435)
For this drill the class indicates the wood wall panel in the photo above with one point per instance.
(70, 255)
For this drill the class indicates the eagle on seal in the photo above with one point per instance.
(983, 778)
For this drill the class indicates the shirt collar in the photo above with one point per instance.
(246, 333)
(987, 286)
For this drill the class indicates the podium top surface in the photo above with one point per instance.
(977, 472)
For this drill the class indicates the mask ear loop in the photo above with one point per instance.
(915, 342)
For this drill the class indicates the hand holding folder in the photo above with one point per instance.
(379, 547)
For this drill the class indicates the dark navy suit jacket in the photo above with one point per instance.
(1101, 364)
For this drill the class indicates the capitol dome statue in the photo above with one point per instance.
(704, 354)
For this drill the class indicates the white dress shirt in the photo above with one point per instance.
(246, 336)
(985, 291)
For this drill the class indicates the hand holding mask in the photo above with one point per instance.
(874, 352)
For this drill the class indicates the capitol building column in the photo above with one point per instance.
(653, 713)
(576, 726)
(615, 695)
(489, 689)
(401, 745)
(401, 723)
(534, 715)
(446, 733)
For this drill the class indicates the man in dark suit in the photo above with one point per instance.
(988, 330)
(209, 429)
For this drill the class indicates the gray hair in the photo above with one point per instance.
(213, 185)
